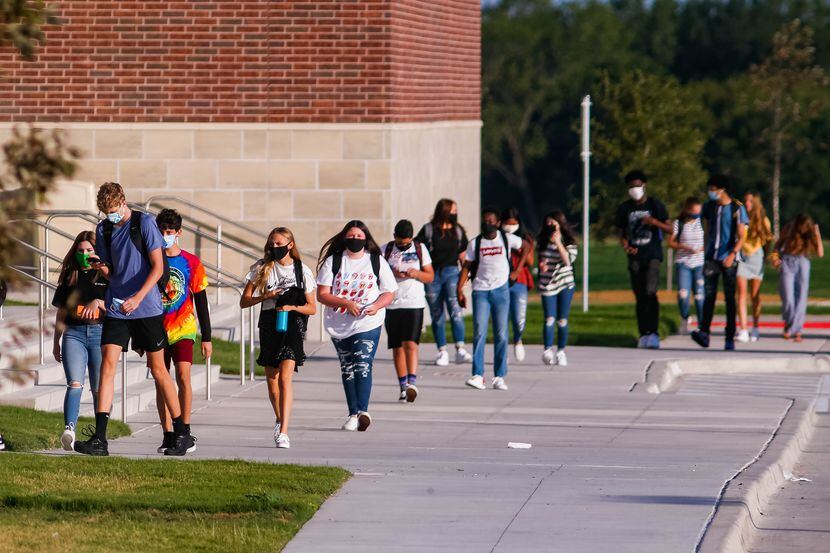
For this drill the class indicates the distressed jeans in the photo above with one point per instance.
(442, 293)
(556, 309)
(357, 353)
(690, 283)
(81, 352)
(518, 310)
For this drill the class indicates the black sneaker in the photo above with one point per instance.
(2, 443)
(701, 338)
(169, 440)
(184, 443)
(93, 445)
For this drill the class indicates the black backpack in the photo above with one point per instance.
(337, 262)
(138, 242)
(477, 248)
(387, 253)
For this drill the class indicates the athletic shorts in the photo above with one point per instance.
(180, 352)
(146, 334)
(403, 325)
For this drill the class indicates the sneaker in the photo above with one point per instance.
(283, 442)
(642, 343)
(168, 441)
(519, 351)
(402, 396)
(185, 443)
(350, 424)
(743, 337)
(653, 341)
(462, 356)
(364, 419)
(548, 356)
(93, 445)
(729, 345)
(701, 338)
(443, 358)
(476, 381)
(684, 327)
(68, 438)
(498, 384)
(561, 358)
(2, 443)
(755, 335)
(277, 431)
(411, 393)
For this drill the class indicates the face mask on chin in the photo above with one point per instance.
(403, 246)
(637, 192)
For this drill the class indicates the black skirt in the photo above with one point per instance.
(275, 347)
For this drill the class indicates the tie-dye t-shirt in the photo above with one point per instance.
(187, 277)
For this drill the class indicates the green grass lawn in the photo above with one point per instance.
(30, 430)
(226, 354)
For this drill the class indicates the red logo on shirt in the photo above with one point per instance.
(492, 250)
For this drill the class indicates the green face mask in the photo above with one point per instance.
(83, 260)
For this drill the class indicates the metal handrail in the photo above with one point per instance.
(197, 207)
(40, 281)
(41, 311)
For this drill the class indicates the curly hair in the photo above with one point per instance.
(110, 195)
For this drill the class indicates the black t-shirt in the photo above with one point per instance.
(445, 246)
(646, 238)
(83, 292)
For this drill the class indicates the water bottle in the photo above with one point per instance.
(282, 321)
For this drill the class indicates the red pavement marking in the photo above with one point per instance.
(818, 325)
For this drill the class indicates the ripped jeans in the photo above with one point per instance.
(81, 352)
(690, 282)
(518, 310)
(556, 309)
(357, 353)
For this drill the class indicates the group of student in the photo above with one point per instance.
(721, 239)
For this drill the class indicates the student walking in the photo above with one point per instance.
(751, 267)
(521, 279)
(687, 240)
(642, 220)
(80, 302)
(557, 253)
(130, 244)
(724, 222)
(800, 240)
(487, 263)
(446, 241)
(412, 266)
(285, 287)
(355, 283)
(185, 301)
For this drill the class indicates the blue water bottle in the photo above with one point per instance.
(282, 321)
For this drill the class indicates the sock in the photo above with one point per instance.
(101, 420)
(411, 379)
(402, 381)
(179, 426)
(187, 428)
(459, 345)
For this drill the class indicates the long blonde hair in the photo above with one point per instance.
(798, 237)
(266, 264)
(758, 230)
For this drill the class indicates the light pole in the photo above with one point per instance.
(586, 170)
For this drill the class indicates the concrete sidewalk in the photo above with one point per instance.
(609, 470)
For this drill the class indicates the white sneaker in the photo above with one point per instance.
(402, 396)
(443, 358)
(561, 358)
(277, 433)
(462, 356)
(350, 424)
(364, 419)
(283, 442)
(68, 438)
(411, 393)
(743, 336)
(755, 335)
(642, 343)
(476, 381)
(547, 356)
(519, 351)
(498, 384)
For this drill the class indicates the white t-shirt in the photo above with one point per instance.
(493, 263)
(411, 293)
(281, 276)
(355, 282)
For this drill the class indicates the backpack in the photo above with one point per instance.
(138, 241)
(429, 230)
(337, 262)
(387, 253)
(477, 248)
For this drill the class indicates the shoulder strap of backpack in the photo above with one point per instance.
(506, 247)
(680, 225)
(387, 252)
(476, 255)
(419, 253)
(298, 274)
(107, 230)
(375, 259)
(428, 230)
(336, 263)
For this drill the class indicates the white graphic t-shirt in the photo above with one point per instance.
(493, 264)
(355, 282)
(411, 293)
(281, 276)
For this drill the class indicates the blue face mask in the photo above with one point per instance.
(694, 216)
(169, 240)
(714, 195)
(115, 218)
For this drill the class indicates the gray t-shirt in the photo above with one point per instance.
(129, 268)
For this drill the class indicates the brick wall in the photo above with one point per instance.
(339, 61)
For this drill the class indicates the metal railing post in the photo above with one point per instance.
(207, 379)
(241, 347)
(124, 387)
(219, 259)
(41, 312)
(251, 343)
(46, 261)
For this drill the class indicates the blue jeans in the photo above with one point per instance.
(518, 310)
(80, 351)
(690, 282)
(357, 353)
(441, 293)
(793, 285)
(556, 309)
(497, 301)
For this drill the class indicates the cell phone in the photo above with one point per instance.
(93, 260)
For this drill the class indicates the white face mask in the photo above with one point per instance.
(637, 192)
(169, 240)
(510, 228)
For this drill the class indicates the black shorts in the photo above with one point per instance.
(404, 325)
(147, 334)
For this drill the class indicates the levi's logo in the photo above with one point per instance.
(492, 250)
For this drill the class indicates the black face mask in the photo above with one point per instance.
(355, 245)
(453, 218)
(488, 230)
(278, 252)
(403, 247)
